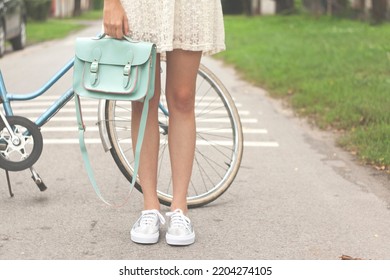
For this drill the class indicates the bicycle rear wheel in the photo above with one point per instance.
(219, 143)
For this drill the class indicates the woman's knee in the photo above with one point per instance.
(181, 101)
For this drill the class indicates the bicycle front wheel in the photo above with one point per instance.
(219, 143)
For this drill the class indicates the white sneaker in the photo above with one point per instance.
(180, 230)
(146, 229)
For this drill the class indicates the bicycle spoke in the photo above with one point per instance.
(208, 160)
(202, 171)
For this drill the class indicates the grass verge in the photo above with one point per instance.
(334, 72)
(57, 28)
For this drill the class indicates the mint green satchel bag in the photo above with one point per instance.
(114, 69)
(108, 68)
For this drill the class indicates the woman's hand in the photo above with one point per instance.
(115, 19)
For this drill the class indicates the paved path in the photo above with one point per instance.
(297, 196)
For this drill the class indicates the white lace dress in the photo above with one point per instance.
(194, 25)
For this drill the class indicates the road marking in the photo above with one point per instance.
(65, 122)
(46, 104)
(56, 97)
(34, 112)
(48, 129)
(54, 141)
(208, 120)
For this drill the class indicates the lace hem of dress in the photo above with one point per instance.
(206, 49)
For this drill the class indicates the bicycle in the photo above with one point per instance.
(219, 145)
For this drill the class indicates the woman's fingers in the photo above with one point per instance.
(114, 19)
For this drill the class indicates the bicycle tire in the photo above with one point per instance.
(216, 162)
(22, 156)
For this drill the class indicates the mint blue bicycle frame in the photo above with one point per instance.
(55, 107)
(52, 110)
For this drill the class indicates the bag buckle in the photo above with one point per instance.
(127, 70)
(94, 70)
(126, 75)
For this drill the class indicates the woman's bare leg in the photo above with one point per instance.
(150, 146)
(182, 67)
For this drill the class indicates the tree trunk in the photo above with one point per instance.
(361, 9)
(316, 7)
(255, 7)
(247, 4)
(379, 10)
(329, 7)
(284, 6)
(77, 8)
(251, 7)
(362, 4)
(336, 7)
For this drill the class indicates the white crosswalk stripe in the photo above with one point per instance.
(62, 128)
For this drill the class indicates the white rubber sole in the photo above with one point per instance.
(180, 240)
(144, 238)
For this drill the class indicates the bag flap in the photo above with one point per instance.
(113, 51)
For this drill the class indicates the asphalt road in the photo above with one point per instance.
(297, 196)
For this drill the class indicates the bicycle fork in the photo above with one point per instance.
(14, 139)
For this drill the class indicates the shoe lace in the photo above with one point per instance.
(148, 217)
(179, 220)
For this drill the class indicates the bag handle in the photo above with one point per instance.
(127, 38)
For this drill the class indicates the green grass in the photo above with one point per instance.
(91, 15)
(57, 28)
(50, 30)
(335, 72)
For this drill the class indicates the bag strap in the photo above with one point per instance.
(84, 152)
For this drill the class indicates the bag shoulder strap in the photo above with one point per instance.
(85, 156)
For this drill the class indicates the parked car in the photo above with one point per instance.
(12, 24)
